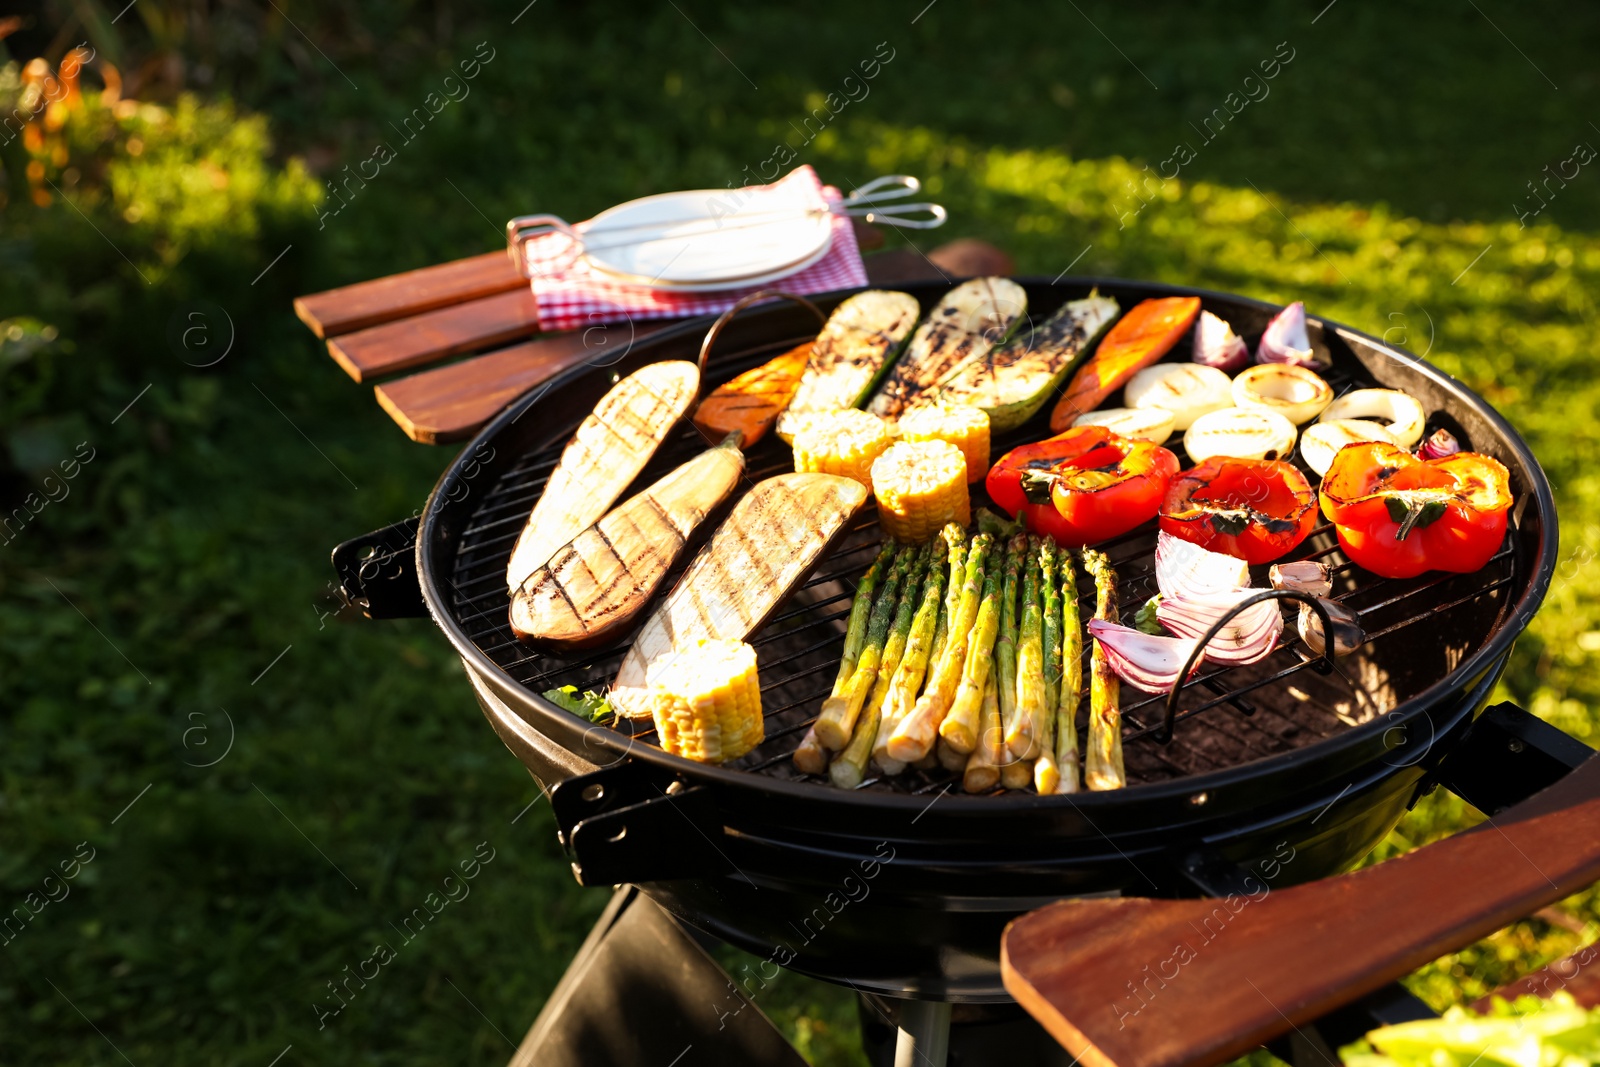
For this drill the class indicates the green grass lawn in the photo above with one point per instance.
(170, 609)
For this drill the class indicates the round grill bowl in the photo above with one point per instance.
(903, 887)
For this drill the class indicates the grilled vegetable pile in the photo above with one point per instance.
(967, 650)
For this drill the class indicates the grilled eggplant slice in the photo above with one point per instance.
(762, 550)
(1013, 381)
(848, 357)
(971, 320)
(596, 585)
(609, 450)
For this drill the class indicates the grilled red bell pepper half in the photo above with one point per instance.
(1397, 515)
(1082, 486)
(1252, 509)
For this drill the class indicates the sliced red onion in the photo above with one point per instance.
(1249, 636)
(1184, 569)
(1440, 443)
(1143, 660)
(1216, 345)
(1286, 340)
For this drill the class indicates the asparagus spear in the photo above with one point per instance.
(1050, 593)
(1066, 761)
(849, 766)
(1005, 649)
(894, 646)
(982, 773)
(1017, 773)
(949, 758)
(810, 757)
(855, 634)
(840, 711)
(913, 664)
(1024, 731)
(960, 726)
(915, 735)
(956, 538)
(1103, 758)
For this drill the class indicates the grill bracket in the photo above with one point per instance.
(378, 572)
(619, 824)
(1508, 756)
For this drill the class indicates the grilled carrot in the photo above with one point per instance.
(1142, 336)
(752, 402)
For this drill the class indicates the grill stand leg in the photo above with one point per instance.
(924, 1037)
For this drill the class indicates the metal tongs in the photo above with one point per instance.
(864, 203)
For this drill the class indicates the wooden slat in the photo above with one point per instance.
(1159, 983)
(355, 307)
(1578, 974)
(452, 403)
(433, 335)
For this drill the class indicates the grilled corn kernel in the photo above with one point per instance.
(920, 486)
(842, 442)
(706, 701)
(963, 426)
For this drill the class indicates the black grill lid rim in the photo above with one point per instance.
(1487, 657)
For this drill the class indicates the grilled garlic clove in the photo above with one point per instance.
(1400, 413)
(1294, 392)
(1303, 576)
(1347, 632)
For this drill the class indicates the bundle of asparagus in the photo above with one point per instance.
(980, 652)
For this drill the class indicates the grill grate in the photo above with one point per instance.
(1249, 713)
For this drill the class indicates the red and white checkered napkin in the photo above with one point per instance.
(572, 294)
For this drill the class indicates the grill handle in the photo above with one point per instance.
(1169, 719)
(378, 572)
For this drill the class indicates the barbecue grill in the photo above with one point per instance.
(902, 887)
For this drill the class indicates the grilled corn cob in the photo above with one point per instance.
(842, 442)
(914, 737)
(707, 701)
(837, 720)
(961, 425)
(1103, 767)
(920, 486)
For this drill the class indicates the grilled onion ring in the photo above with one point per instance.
(1321, 442)
(1401, 413)
(1294, 392)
